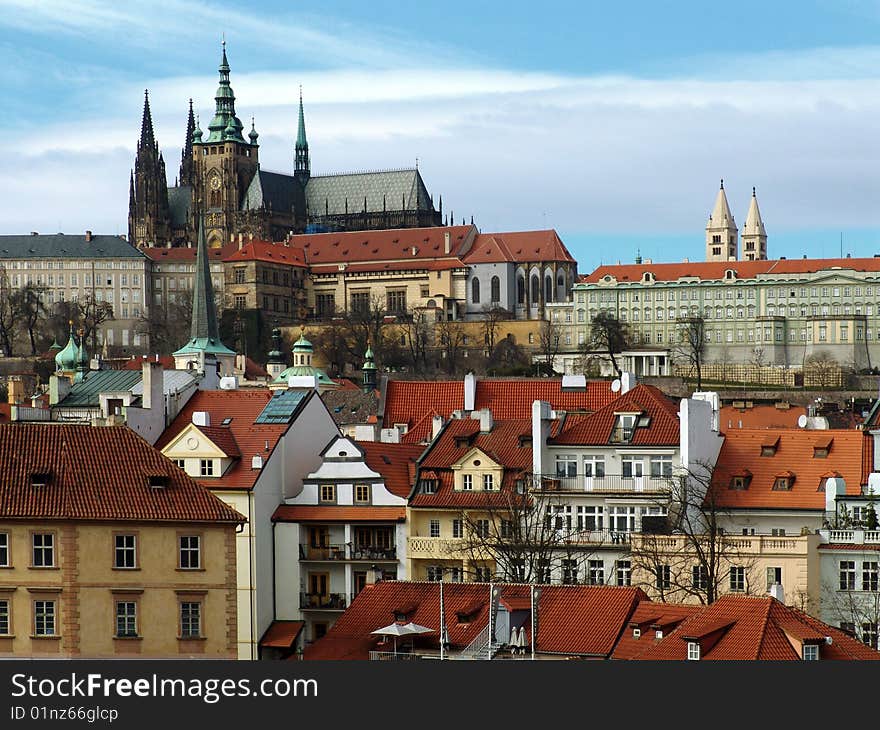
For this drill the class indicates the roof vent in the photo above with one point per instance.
(40, 478)
(158, 481)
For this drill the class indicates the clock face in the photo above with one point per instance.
(215, 183)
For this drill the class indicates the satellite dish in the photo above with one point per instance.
(615, 385)
(802, 421)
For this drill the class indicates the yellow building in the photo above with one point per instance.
(108, 549)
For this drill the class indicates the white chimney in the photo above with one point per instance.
(257, 462)
(470, 391)
(436, 425)
(152, 382)
(627, 381)
(541, 422)
(447, 243)
(485, 416)
(201, 418)
(778, 592)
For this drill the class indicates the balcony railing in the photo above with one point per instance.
(322, 601)
(347, 552)
(606, 483)
(744, 544)
(434, 547)
(853, 537)
(390, 656)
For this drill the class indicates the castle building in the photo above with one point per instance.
(220, 176)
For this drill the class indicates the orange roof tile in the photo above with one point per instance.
(333, 513)
(185, 253)
(282, 634)
(96, 474)
(647, 616)
(395, 462)
(742, 449)
(276, 253)
(518, 246)
(759, 416)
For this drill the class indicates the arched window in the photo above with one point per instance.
(536, 289)
(548, 288)
(560, 286)
(475, 291)
(496, 290)
(521, 289)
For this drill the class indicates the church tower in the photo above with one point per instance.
(187, 166)
(148, 220)
(721, 231)
(225, 164)
(754, 237)
(301, 171)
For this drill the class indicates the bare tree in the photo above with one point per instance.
(508, 358)
(450, 344)
(549, 344)
(92, 314)
(28, 301)
(822, 369)
(757, 361)
(690, 345)
(417, 338)
(491, 319)
(688, 554)
(610, 336)
(9, 314)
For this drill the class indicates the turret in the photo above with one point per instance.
(301, 163)
(369, 371)
(721, 231)
(754, 237)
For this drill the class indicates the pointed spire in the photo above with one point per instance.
(754, 236)
(721, 215)
(301, 164)
(225, 125)
(131, 190)
(147, 137)
(253, 133)
(204, 313)
(187, 166)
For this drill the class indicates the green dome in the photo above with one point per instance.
(304, 370)
(68, 358)
(302, 345)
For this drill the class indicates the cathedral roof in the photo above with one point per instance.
(385, 189)
(273, 190)
(179, 203)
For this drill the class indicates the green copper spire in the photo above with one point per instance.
(301, 159)
(225, 125)
(67, 359)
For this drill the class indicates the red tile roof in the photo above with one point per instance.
(711, 270)
(96, 474)
(395, 462)
(742, 448)
(276, 253)
(759, 416)
(648, 618)
(281, 634)
(243, 407)
(223, 439)
(572, 620)
(596, 428)
(185, 253)
(334, 513)
(518, 246)
(750, 628)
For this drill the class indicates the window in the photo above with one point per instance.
(774, 577)
(328, 493)
(737, 578)
(434, 528)
(569, 572)
(782, 483)
(429, 486)
(4, 549)
(663, 574)
(457, 528)
(397, 301)
(594, 467)
(362, 493)
(589, 518)
(622, 519)
(239, 275)
(190, 552)
(811, 652)
(488, 482)
(4, 617)
(777, 532)
(360, 302)
(482, 574)
(516, 570)
(126, 619)
(467, 482)
(542, 571)
(206, 467)
(240, 301)
(739, 482)
(125, 552)
(869, 634)
(325, 304)
(869, 576)
(624, 573)
(190, 620)
(661, 466)
(699, 577)
(475, 291)
(481, 528)
(847, 575)
(693, 651)
(596, 573)
(566, 465)
(44, 618)
(44, 550)
(623, 431)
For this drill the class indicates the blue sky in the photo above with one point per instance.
(611, 122)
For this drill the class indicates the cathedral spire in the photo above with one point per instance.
(204, 313)
(301, 161)
(148, 218)
(721, 232)
(754, 236)
(225, 125)
(147, 136)
(187, 166)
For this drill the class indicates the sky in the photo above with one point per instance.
(611, 122)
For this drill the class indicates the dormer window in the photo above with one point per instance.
(693, 651)
(429, 486)
(769, 446)
(158, 481)
(637, 633)
(783, 481)
(810, 652)
(740, 482)
(821, 448)
(624, 428)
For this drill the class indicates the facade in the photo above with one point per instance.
(76, 268)
(252, 449)
(268, 277)
(172, 272)
(345, 529)
(143, 551)
(220, 178)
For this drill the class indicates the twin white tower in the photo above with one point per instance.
(722, 239)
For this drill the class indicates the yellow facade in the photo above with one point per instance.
(84, 586)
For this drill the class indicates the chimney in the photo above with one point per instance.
(627, 381)
(778, 592)
(152, 380)
(470, 391)
(485, 420)
(201, 418)
(542, 417)
(436, 425)
(374, 575)
(447, 243)
(88, 236)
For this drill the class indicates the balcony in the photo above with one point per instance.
(390, 656)
(851, 537)
(322, 601)
(794, 546)
(347, 552)
(434, 547)
(609, 483)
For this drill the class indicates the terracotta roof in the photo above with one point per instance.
(223, 439)
(518, 246)
(572, 620)
(444, 264)
(759, 416)
(597, 428)
(712, 270)
(742, 448)
(276, 253)
(183, 254)
(395, 462)
(282, 634)
(96, 474)
(648, 617)
(253, 370)
(243, 407)
(333, 513)
(750, 627)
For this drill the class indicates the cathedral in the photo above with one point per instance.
(220, 178)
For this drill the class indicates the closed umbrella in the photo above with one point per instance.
(522, 639)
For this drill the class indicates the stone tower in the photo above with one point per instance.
(224, 163)
(754, 237)
(148, 219)
(721, 232)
